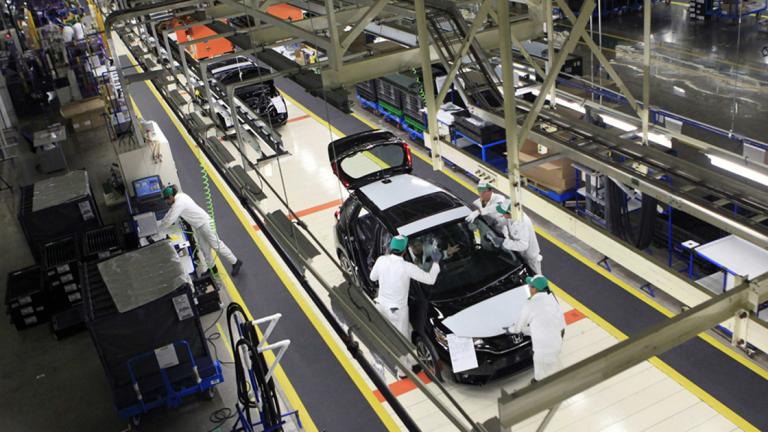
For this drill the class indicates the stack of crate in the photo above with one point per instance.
(61, 280)
(367, 90)
(25, 299)
(698, 9)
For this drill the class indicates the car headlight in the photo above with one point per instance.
(441, 338)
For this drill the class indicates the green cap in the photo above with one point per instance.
(483, 186)
(398, 243)
(539, 282)
(503, 208)
(168, 192)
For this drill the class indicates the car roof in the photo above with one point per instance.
(398, 190)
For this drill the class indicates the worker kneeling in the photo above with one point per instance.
(394, 276)
(182, 206)
(542, 319)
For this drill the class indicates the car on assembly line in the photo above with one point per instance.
(480, 290)
(262, 98)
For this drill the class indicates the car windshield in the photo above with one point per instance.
(469, 260)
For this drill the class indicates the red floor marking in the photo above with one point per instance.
(311, 210)
(572, 316)
(299, 118)
(404, 386)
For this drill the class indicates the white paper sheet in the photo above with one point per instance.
(462, 350)
(166, 356)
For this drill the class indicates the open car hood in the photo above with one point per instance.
(489, 317)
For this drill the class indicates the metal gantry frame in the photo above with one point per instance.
(738, 304)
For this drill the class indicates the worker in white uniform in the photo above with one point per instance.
(182, 206)
(486, 204)
(79, 31)
(394, 276)
(520, 236)
(542, 319)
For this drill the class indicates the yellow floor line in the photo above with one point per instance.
(291, 393)
(221, 330)
(661, 365)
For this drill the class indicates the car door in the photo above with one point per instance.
(366, 157)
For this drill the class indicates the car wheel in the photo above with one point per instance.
(428, 356)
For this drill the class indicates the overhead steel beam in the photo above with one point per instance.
(373, 11)
(553, 70)
(658, 189)
(603, 61)
(518, 406)
(252, 9)
(407, 59)
(479, 20)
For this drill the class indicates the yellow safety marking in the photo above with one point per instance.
(605, 325)
(288, 388)
(218, 324)
(659, 364)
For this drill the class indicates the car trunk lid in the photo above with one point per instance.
(363, 158)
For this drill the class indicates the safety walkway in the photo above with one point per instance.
(329, 387)
(732, 385)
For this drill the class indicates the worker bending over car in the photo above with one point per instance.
(519, 236)
(542, 319)
(486, 205)
(421, 249)
(183, 206)
(394, 276)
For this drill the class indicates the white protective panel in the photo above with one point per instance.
(489, 317)
(737, 255)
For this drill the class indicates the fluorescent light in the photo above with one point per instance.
(739, 169)
(660, 139)
(678, 90)
(619, 124)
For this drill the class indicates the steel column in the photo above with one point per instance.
(645, 113)
(431, 138)
(510, 109)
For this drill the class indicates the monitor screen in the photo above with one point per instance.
(147, 187)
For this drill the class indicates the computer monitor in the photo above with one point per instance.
(148, 187)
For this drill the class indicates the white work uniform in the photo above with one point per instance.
(522, 239)
(68, 33)
(489, 209)
(79, 31)
(186, 208)
(394, 275)
(542, 319)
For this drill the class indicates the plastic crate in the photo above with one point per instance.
(102, 243)
(25, 298)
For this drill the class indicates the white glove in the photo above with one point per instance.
(472, 216)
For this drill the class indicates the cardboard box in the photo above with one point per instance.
(85, 114)
(558, 175)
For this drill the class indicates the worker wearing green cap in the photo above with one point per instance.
(542, 319)
(520, 236)
(394, 276)
(486, 203)
(183, 206)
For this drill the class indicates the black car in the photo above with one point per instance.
(480, 289)
(263, 98)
